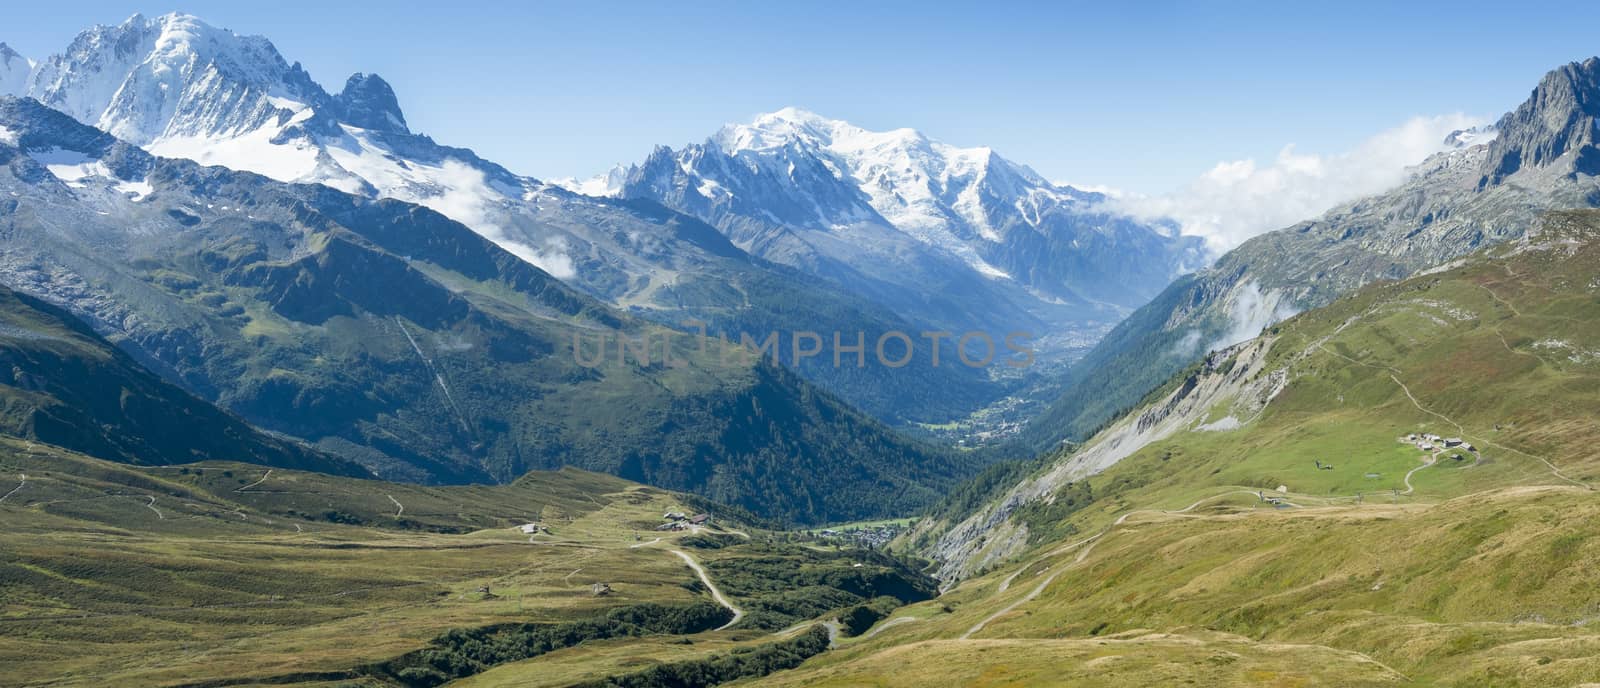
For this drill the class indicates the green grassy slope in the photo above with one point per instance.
(61, 384)
(232, 574)
(1387, 566)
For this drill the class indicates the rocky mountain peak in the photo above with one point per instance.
(1559, 123)
(14, 71)
(368, 101)
(149, 78)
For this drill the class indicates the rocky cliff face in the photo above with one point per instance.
(368, 102)
(1236, 379)
(1556, 127)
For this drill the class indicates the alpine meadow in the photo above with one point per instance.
(1297, 383)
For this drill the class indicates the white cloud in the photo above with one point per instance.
(1239, 199)
(1251, 312)
(1108, 191)
(464, 194)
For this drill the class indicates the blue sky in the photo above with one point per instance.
(1141, 98)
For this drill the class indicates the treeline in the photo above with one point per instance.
(780, 586)
(711, 541)
(856, 620)
(460, 653)
(710, 671)
(790, 452)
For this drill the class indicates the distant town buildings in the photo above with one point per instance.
(870, 537)
(1430, 442)
(676, 521)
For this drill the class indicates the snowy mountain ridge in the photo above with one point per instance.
(181, 88)
(889, 227)
(909, 180)
(791, 176)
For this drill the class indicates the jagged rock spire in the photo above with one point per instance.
(1558, 124)
(368, 102)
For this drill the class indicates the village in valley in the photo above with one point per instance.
(875, 535)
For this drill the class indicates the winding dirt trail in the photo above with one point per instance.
(1037, 590)
(1431, 461)
(152, 506)
(401, 508)
(263, 479)
(891, 623)
(1084, 554)
(716, 593)
(19, 486)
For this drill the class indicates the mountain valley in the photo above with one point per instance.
(292, 394)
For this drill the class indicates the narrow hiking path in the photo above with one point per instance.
(1011, 607)
(263, 479)
(1084, 554)
(1431, 461)
(891, 623)
(152, 506)
(716, 593)
(1499, 300)
(400, 508)
(19, 486)
(1006, 584)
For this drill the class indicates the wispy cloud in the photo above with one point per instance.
(1238, 199)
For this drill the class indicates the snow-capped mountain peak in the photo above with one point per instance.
(796, 169)
(795, 126)
(919, 185)
(1474, 136)
(181, 88)
(174, 75)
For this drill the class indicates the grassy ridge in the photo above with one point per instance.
(228, 574)
(1386, 565)
(1483, 590)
